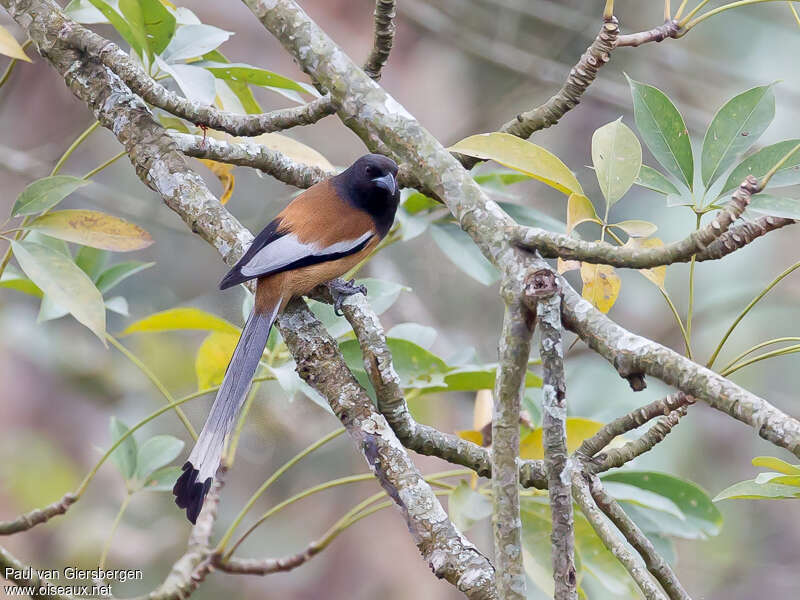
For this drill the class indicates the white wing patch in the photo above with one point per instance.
(288, 249)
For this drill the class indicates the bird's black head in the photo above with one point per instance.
(370, 184)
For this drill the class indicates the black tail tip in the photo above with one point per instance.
(190, 493)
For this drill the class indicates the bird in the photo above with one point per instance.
(320, 235)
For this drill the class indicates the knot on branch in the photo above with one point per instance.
(540, 284)
(636, 381)
(670, 29)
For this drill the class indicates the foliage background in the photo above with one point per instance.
(59, 385)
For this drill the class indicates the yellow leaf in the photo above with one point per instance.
(522, 156)
(657, 274)
(476, 437)
(600, 285)
(213, 357)
(776, 464)
(484, 406)
(567, 265)
(92, 228)
(578, 429)
(224, 173)
(10, 47)
(182, 318)
(294, 150)
(579, 210)
(636, 228)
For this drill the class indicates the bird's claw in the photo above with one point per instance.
(341, 289)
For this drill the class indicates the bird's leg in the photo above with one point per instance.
(341, 289)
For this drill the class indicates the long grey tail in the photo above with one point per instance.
(198, 472)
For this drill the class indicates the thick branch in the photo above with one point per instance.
(514, 351)
(25, 576)
(669, 29)
(739, 236)
(40, 515)
(250, 154)
(555, 245)
(450, 555)
(654, 562)
(554, 434)
(145, 86)
(580, 78)
(384, 38)
(583, 497)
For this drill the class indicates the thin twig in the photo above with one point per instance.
(384, 38)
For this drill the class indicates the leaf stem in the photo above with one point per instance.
(681, 9)
(78, 141)
(110, 161)
(690, 311)
(667, 10)
(687, 344)
(114, 527)
(760, 357)
(747, 309)
(758, 347)
(272, 478)
(155, 380)
(687, 22)
(794, 12)
(765, 180)
(608, 11)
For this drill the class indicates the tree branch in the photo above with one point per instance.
(542, 288)
(670, 29)
(555, 245)
(583, 497)
(39, 515)
(25, 576)
(741, 235)
(384, 38)
(654, 562)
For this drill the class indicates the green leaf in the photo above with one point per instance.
(654, 180)
(13, 279)
(531, 217)
(240, 89)
(159, 25)
(196, 83)
(663, 130)
(467, 506)
(522, 156)
(132, 11)
(91, 261)
(156, 452)
(64, 283)
(788, 208)
(421, 335)
(694, 503)
(251, 75)
(470, 378)
(416, 366)
(759, 163)
(83, 12)
(637, 228)
(736, 127)
(119, 23)
(750, 490)
(641, 497)
(170, 122)
(417, 202)
(176, 319)
(292, 384)
(119, 272)
(191, 41)
(124, 457)
(43, 194)
(500, 179)
(213, 357)
(461, 250)
(92, 228)
(776, 464)
(617, 158)
(162, 480)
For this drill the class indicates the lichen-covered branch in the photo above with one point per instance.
(384, 38)
(636, 418)
(39, 515)
(544, 289)
(450, 555)
(266, 566)
(670, 29)
(555, 245)
(249, 154)
(156, 94)
(654, 562)
(514, 351)
(739, 236)
(583, 497)
(580, 78)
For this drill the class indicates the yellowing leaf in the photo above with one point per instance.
(224, 173)
(522, 156)
(567, 265)
(657, 274)
(476, 437)
(776, 464)
(636, 228)
(578, 429)
(213, 357)
(293, 149)
(92, 228)
(579, 210)
(484, 406)
(600, 285)
(182, 318)
(10, 47)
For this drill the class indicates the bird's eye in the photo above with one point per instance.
(370, 170)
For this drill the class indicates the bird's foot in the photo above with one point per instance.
(341, 289)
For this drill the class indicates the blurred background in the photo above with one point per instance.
(461, 67)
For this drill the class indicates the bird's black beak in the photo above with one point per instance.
(387, 182)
